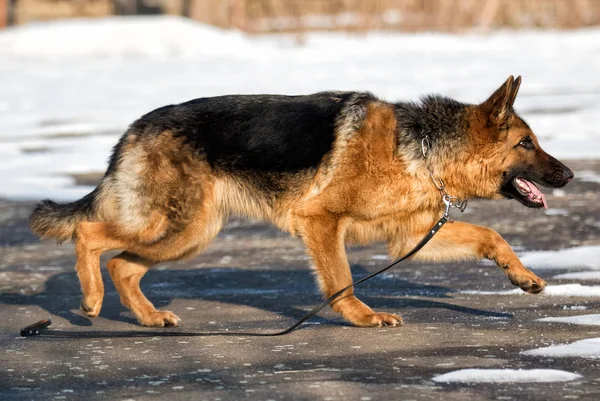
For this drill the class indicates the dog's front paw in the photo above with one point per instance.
(529, 282)
(159, 319)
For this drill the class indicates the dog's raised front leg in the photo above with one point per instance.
(324, 238)
(462, 241)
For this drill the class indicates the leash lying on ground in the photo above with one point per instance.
(39, 328)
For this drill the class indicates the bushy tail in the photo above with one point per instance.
(58, 221)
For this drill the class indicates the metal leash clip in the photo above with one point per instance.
(453, 201)
(449, 200)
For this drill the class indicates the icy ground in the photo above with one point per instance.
(581, 257)
(586, 320)
(506, 376)
(589, 348)
(572, 259)
(70, 88)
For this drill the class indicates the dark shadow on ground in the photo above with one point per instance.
(274, 291)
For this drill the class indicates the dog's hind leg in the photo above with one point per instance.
(91, 240)
(126, 270)
(324, 238)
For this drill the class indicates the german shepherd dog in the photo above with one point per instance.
(335, 168)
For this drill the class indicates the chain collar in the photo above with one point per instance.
(449, 200)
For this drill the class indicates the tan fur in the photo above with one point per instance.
(365, 191)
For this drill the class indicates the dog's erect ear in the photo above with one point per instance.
(499, 105)
(515, 89)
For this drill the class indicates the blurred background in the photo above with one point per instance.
(267, 16)
(75, 73)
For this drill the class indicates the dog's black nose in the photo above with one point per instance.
(568, 174)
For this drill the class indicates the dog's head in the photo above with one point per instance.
(510, 153)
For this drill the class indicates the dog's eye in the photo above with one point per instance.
(526, 143)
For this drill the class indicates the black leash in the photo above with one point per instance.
(38, 328)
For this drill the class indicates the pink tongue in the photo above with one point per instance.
(535, 192)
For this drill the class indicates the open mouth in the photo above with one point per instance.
(525, 192)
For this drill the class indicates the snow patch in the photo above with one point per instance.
(587, 257)
(157, 37)
(589, 348)
(595, 275)
(47, 172)
(588, 176)
(82, 82)
(506, 376)
(575, 307)
(565, 290)
(572, 290)
(586, 320)
(556, 212)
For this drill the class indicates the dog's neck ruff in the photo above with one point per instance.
(449, 200)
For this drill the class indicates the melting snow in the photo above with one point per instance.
(123, 38)
(565, 290)
(66, 99)
(587, 320)
(589, 348)
(556, 212)
(575, 307)
(588, 176)
(579, 276)
(587, 257)
(506, 376)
